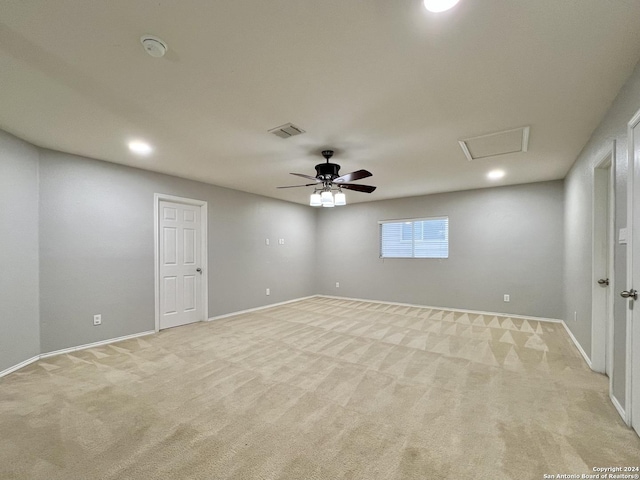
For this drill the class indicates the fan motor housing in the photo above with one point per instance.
(327, 170)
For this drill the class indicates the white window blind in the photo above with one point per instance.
(415, 238)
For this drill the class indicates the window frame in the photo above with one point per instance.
(413, 240)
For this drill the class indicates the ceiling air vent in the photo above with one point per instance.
(287, 130)
(493, 144)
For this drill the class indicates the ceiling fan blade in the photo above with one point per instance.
(357, 187)
(294, 186)
(307, 176)
(350, 177)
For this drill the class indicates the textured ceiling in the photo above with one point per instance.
(389, 86)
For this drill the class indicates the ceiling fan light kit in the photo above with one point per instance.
(326, 198)
(328, 179)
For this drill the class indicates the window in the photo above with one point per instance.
(418, 238)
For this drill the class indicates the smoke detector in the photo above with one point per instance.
(154, 46)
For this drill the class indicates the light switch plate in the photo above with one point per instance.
(622, 236)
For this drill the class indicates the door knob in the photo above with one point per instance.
(199, 270)
(633, 294)
(603, 281)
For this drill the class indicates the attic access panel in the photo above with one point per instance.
(493, 144)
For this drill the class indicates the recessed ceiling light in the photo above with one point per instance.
(495, 174)
(437, 6)
(140, 148)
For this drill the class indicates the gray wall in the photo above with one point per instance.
(19, 312)
(502, 240)
(96, 248)
(578, 224)
(90, 254)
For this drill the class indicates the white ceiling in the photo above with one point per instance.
(388, 85)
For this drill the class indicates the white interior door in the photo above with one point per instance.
(633, 277)
(180, 264)
(602, 303)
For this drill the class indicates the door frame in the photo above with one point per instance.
(157, 198)
(602, 314)
(631, 167)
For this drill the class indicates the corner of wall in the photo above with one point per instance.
(38, 163)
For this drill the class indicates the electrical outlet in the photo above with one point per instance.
(281, 241)
(337, 284)
(507, 298)
(97, 319)
(266, 241)
(268, 291)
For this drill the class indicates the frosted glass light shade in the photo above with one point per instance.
(315, 200)
(326, 199)
(339, 199)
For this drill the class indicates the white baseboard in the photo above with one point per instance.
(475, 312)
(479, 312)
(249, 310)
(240, 312)
(578, 346)
(19, 366)
(619, 408)
(72, 349)
(128, 337)
(95, 344)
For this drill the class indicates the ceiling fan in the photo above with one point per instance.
(328, 178)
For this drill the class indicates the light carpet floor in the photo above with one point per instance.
(317, 389)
